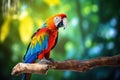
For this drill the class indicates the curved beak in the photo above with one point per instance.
(64, 22)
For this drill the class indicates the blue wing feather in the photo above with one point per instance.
(32, 53)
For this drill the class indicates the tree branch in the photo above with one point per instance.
(73, 65)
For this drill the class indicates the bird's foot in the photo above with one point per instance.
(52, 60)
(44, 61)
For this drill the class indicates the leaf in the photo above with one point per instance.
(4, 30)
(52, 3)
(25, 29)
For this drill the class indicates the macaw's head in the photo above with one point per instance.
(57, 21)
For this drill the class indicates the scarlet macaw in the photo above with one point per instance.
(44, 40)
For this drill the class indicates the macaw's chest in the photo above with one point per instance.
(53, 36)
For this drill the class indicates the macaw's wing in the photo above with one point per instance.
(39, 42)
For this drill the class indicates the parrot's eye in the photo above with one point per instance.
(57, 20)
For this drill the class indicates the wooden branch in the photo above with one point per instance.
(73, 65)
(30, 68)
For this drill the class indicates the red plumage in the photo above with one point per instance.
(52, 35)
(44, 40)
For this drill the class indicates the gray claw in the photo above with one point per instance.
(44, 61)
(52, 60)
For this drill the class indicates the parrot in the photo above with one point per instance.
(44, 40)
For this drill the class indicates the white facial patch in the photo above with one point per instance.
(57, 20)
(65, 22)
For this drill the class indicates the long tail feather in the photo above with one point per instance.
(23, 76)
(26, 76)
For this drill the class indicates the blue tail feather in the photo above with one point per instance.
(26, 76)
(23, 76)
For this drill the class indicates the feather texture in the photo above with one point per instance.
(39, 42)
(42, 42)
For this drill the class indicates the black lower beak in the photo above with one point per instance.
(60, 24)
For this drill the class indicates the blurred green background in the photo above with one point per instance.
(93, 31)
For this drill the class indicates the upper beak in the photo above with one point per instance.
(64, 22)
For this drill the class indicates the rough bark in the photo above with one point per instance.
(73, 65)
